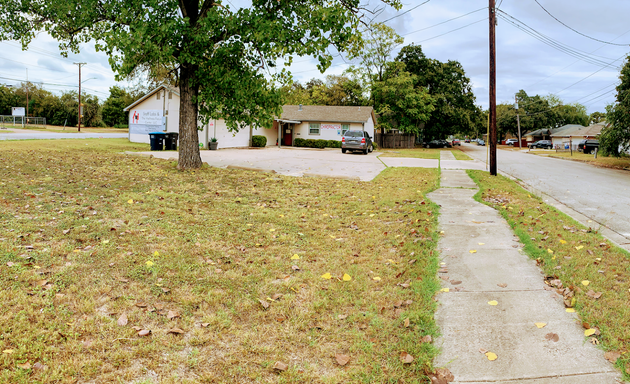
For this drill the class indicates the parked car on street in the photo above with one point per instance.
(481, 142)
(511, 141)
(588, 146)
(355, 140)
(438, 144)
(544, 144)
(456, 142)
(467, 141)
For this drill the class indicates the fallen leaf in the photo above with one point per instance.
(406, 358)
(122, 320)
(172, 315)
(491, 356)
(39, 366)
(552, 337)
(589, 332)
(455, 282)
(549, 251)
(406, 323)
(156, 253)
(579, 247)
(346, 277)
(295, 257)
(502, 285)
(176, 331)
(570, 310)
(280, 366)
(426, 339)
(562, 241)
(442, 376)
(473, 251)
(326, 276)
(144, 332)
(295, 268)
(376, 278)
(130, 201)
(149, 263)
(593, 295)
(205, 324)
(26, 365)
(341, 317)
(264, 304)
(135, 327)
(141, 304)
(585, 283)
(342, 359)
(444, 290)
(493, 302)
(612, 356)
(540, 325)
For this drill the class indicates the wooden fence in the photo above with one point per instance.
(395, 140)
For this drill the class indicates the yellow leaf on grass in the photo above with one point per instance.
(105, 241)
(562, 241)
(130, 201)
(550, 251)
(326, 276)
(250, 225)
(325, 214)
(493, 302)
(540, 325)
(491, 356)
(331, 236)
(156, 253)
(585, 282)
(444, 290)
(372, 215)
(149, 263)
(272, 230)
(571, 310)
(376, 278)
(281, 215)
(8, 351)
(374, 197)
(589, 332)
(346, 277)
(473, 251)
(295, 257)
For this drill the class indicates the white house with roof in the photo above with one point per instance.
(158, 111)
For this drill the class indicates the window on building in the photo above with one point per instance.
(313, 129)
(344, 128)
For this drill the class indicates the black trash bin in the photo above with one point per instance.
(157, 140)
(170, 143)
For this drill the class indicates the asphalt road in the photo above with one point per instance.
(602, 195)
(26, 134)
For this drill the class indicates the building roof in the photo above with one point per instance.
(327, 113)
(560, 131)
(151, 93)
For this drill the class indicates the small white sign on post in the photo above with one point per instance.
(18, 111)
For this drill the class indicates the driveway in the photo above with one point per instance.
(594, 196)
(28, 134)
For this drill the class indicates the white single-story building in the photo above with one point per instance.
(158, 111)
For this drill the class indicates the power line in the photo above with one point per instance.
(391, 18)
(446, 21)
(592, 74)
(578, 32)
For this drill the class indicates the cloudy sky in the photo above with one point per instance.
(578, 61)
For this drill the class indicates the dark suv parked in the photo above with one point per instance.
(438, 144)
(588, 146)
(544, 144)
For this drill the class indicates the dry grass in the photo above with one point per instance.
(601, 161)
(88, 234)
(422, 153)
(572, 253)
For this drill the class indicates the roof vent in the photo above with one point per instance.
(300, 107)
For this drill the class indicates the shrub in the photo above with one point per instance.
(259, 141)
(316, 143)
(374, 146)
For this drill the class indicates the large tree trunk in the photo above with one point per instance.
(189, 157)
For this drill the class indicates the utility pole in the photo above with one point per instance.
(518, 123)
(493, 90)
(26, 99)
(80, 106)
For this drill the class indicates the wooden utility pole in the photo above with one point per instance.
(493, 90)
(80, 109)
(518, 122)
(26, 99)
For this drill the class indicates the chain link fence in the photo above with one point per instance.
(21, 121)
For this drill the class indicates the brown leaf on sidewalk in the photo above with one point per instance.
(612, 356)
(456, 282)
(502, 285)
(342, 359)
(406, 358)
(552, 337)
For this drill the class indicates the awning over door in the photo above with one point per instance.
(289, 121)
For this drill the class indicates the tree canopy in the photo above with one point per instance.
(221, 57)
(615, 138)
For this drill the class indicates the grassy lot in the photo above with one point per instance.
(584, 262)
(601, 161)
(422, 153)
(54, 128)
(94, 243)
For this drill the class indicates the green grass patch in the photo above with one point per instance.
(459, 155)
(422, 153)
(88, 234)
(573, 254)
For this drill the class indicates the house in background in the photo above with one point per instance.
(158, 111)
(546, 133)
(574, 134)
(322, 122)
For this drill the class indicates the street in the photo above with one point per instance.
(27, 134)
(600, 194)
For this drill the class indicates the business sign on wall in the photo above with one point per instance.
(18, 111)
(144, 121)
(336, 127)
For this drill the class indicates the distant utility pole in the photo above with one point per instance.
(80, 106)
(518, 123)
(493, 90)
(26, 98)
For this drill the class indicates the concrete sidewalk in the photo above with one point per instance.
(470, 325)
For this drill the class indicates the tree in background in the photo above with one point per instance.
(220, 54)
(113, 108)
(8, 100)
(597, 117)
(562, 114)
(295, 94)
(455, 109)
(339, 90)
(401, 104)
(615, 138)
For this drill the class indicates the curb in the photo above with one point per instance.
(250, 169)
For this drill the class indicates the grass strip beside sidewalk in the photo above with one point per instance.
(594, 274)
(93, 243)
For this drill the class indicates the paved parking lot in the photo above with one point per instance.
(314, 162)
